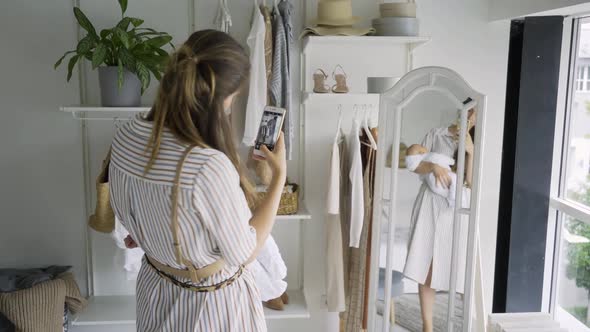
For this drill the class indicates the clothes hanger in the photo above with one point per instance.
(355, 118)
(367, 130)
(339, 127)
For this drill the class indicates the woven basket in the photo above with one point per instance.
(289, 202)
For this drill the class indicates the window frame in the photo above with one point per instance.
(560, 205)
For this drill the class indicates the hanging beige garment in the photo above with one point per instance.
(354, 318)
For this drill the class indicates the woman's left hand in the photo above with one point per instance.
(469, 146)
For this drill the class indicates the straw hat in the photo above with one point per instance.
(335, 19)
(337, 31)
(336, 13)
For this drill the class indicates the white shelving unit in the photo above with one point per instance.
(120, 310)
(104, 307)
(360, 58)
(360, 41)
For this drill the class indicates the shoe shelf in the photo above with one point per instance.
(340, 98)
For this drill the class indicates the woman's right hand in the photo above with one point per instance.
(441, 176)
(276, 159)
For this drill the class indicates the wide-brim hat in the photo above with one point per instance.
(336, 13)
(337, 31)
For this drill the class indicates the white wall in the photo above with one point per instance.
(464, 41)
(42, 193)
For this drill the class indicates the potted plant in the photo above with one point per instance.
(126, 56)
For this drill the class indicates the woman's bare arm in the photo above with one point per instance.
(440, 174)
(265, 214)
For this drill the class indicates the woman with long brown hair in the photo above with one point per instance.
(177, 186)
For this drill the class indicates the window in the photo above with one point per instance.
(582, 79)
(570, 197)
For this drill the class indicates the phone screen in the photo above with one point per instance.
(270, 128)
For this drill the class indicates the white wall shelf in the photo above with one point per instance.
(120, 310)
(302, 214)
(340, 98)
(103, 113)
(361, 40)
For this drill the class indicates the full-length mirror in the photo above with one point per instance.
(427, 173)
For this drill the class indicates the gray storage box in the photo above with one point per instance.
(396, 26)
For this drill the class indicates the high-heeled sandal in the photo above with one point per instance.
(340, 86)
(319, 82)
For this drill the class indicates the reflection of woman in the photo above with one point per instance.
(430, 249)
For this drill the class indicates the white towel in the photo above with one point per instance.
(131, 258)
(269, 270)
(412, 162)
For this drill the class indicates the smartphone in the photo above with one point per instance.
(271, 125)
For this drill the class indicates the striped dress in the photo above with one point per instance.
(431, 234)
(213, 217)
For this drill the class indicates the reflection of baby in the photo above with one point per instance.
(418, 153)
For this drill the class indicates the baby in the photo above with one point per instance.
(417, 153)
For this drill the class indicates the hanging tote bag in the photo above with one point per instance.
(103, 219)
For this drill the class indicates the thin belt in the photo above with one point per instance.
(197, 275)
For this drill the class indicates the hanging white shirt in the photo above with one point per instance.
(257, 95)
(357, 205)
(334, 249)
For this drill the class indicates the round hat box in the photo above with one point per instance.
(396, 26)
(398, 9)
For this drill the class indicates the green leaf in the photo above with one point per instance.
(84, 21)
(149, 33)
(144, 75)
(124, 23)
(119, 73)
(99, 55)
(136, 21)
(159, 41)
(127, 59)
(58, 63)
(123, 4)
(71, 65)
(105, 33)
(85, 45)
(156, 72)
(162, 52)
(122, 36)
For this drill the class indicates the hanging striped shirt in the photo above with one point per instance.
(213, 216)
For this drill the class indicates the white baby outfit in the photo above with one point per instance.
(269, 271)
(441, 160)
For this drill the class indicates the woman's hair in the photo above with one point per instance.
(209, 67)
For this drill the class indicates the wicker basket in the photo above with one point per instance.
(289, 201)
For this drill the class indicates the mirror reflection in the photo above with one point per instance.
(428, 190)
